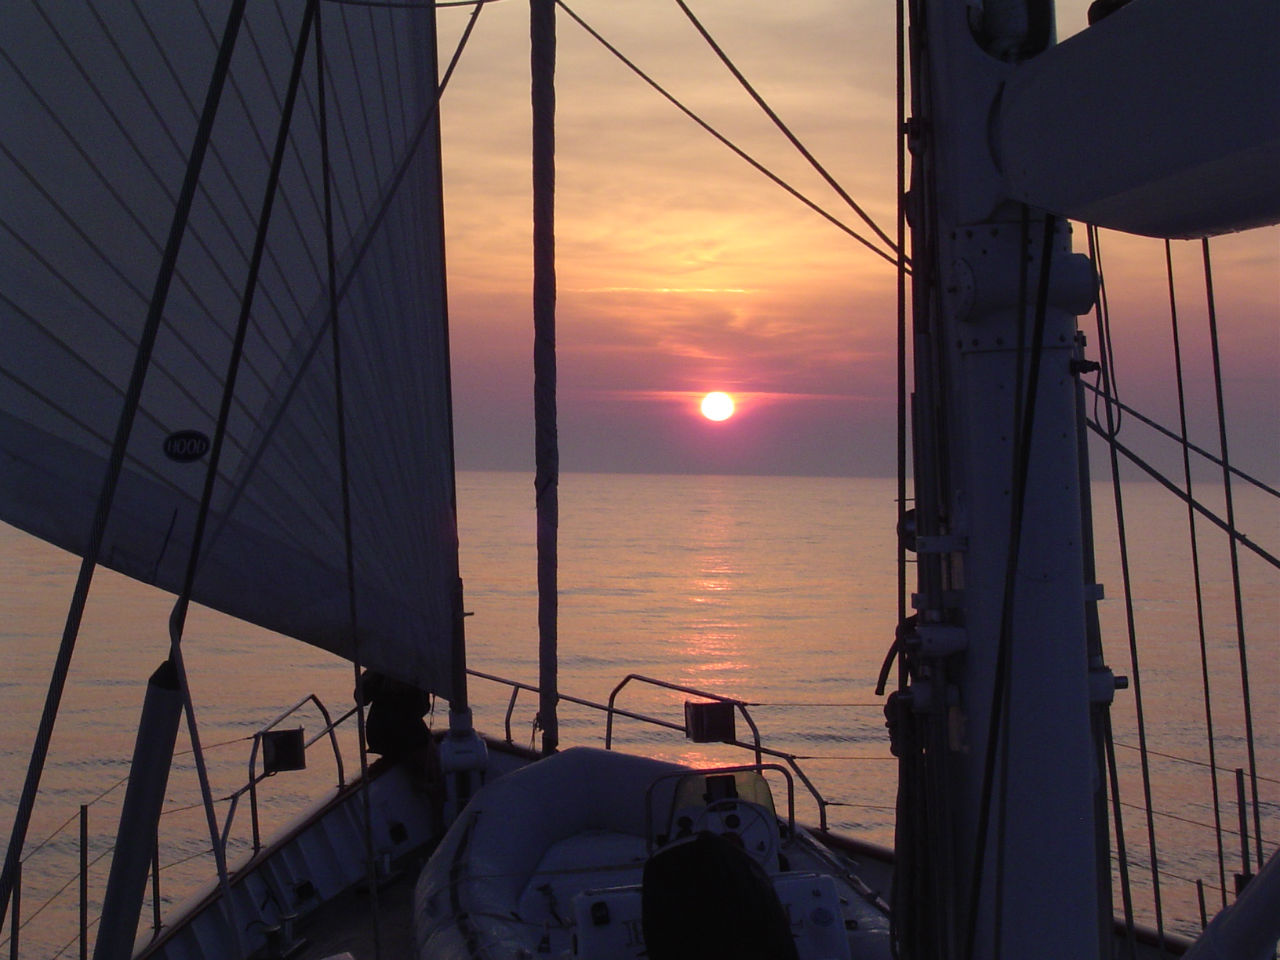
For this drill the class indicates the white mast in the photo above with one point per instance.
(1001, 690)
(1003, 852)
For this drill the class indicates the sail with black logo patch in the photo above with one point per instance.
(97, 154)
(186, 446)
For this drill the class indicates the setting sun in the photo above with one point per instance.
(717, 406)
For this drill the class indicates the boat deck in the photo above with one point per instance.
(346, 925)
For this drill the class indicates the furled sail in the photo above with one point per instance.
(102, 102)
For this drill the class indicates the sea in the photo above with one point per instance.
(778, 591)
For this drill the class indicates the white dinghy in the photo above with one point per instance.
(592, 853)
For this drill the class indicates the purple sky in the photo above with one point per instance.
(682, 270)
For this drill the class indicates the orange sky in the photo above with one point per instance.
(682, 270)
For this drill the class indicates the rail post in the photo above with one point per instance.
(155, 884)
(84, 881)
(15, 917)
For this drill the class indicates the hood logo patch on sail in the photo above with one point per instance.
(186, 446)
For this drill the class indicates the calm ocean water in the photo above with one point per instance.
(779, 591)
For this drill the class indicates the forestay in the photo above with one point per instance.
(101, 106)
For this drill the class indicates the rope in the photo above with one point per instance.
(725, 140)
(1191, 760)
(66, 946)
(1182, 440)
(900, 170)
(133, 395)
(31, 852)
(1234, 553)
(1107, 377)
(216, 209)
(231, 175)
(177, 620)
(786, 131)
(177, 383)
(344, 482)
(357, 257)
(1118, 447)
(1176, 816)
(1102, 310)
(542, 65)
(70, 820)
(1184, 879)
(1121, 849)
(1196, 578)
(61, 890)
(302, 169)
(1024, 422)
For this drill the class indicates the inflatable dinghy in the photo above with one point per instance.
(601, 855)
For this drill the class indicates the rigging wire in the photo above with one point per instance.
(870, 245)
(164, 277)
(1107, 373)
(786, 131)
(179, 383)
(1121, 847)
(351, 266)
(50, 837)
(1116, 446)
(344, 480)
(93, 369)
(1025, 396)
(218, 156)
(1175, 816)
(542, 93)
(1196, 578)
(1181, 439)
(1106, 351)
(177, 620)
(900, 388)
(385, 269)
(59, 892)
(1192, 760)
(408, 4)
(1251, 749)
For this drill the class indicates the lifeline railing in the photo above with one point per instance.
(611, 710)
(255, 778)
(329, 729)
(15, 923)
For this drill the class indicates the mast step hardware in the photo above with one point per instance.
(978, 286)
(937, 640)
(1103, 685)
(1079, 367)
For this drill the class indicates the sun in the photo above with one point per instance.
(717, 406)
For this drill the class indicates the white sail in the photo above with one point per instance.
(101, 108)
(1086, 130)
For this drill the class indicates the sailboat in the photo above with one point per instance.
(226, 374)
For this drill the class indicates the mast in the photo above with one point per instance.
(542, 30)
(1004, 859)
